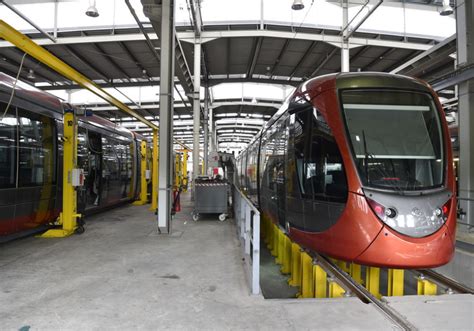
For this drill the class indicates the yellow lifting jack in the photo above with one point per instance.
(72, 178)
(143, 176)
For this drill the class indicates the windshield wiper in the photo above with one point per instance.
(366, 158)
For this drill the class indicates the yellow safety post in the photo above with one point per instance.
(425, 287)
(143, 182)
(286, 256)
(281, 247)
(372, 281)
(67, 218)
(335, 290)
(342, 265)
(320, 282)
(395, 282)
(185, 170)
(177, 171)
(295, 279)
(356, 272)
(275, 231)
(154, 175)
(307, 283)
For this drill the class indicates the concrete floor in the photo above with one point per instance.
(121, 275)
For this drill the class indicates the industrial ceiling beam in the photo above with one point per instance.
(85, 62)
(324, 61)
(111, 60)
(30, 22)
(9, 61)
(254, 57)
(135, 60)
(42, 55)
(303, 58)
(279, 57)
(211, 35)
(378, 58)
(427, 52)
(212, 82)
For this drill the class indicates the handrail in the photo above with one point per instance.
(247, 218)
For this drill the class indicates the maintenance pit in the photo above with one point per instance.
(121, 272)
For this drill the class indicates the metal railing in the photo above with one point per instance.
(247, 220)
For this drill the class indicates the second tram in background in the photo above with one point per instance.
(358, 166)
(31, 160)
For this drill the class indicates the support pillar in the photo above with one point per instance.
(465, 52)
(166, 116)
(196, 109)
(154, 172)
(345, 39)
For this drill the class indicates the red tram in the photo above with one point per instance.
(31, 160)
(358, 166)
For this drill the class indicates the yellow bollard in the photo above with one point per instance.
(307, 288)
(356, 272)
(320, 282)
(286, 260)
(295, 279)
(395, 282)
(281, 247)
(342, 265)
(425, 287)
(372, 281)
(335, 290)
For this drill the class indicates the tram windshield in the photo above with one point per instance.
(396, 138)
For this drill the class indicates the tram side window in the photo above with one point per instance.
(324, 168)
(110, 159)
(36, 150)
(300, 126)
(7, 148)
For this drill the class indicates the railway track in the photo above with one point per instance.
(450, 286)
(353, 288)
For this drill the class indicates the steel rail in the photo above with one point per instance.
(361, 292)
(445, 281)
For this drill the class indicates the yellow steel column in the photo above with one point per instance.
(154, 173)
(425, 287)
(286, 255)
(281, 247)
(143, 182)
(355, 272)
(342, 265)
(177, 171)
(335, 290)
(372, 281)
(295, 279)
(395, 282)
(307, 283)
(185, 170)
(320, 282)
(67, 218)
